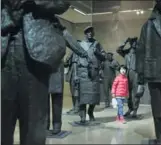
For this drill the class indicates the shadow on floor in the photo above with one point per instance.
(113, 118)
(99, 109)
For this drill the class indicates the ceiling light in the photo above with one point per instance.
(137, 12)
(142, 12)
(79, 11)
(103, 13)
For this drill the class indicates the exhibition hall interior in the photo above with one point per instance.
(88, 106)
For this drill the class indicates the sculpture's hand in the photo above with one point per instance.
(66, 64)
(85, 55)
(76, 80)
(140, 91)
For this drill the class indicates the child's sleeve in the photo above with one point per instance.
(114, 85)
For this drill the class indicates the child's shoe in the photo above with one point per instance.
(122, 120)
(117, 118)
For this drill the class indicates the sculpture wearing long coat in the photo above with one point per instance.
(130, 61)
(148, 66)
(28, 56)
(71, 77)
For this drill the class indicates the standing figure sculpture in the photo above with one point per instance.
(88, 75)
(148, 66)
(109, 73)
(56, 89)
(56, 82)
(130, 60)
(72, 78)
(29, 50)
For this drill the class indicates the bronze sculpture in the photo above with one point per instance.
(30, 43)
(88, 75)
(72, 77)
(148, 66)
(130, 59)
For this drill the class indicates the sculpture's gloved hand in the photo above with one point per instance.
(85, 54)
(108, 57)
(140, 91)
(66, 64)
(76, 80)
(57, 24)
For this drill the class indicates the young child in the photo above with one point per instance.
(120, 91)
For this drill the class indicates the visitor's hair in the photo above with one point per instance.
(123, 66)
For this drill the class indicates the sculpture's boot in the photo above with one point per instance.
(107, 104)
(90, 112)
(82, 113)
(134, 114)
(127, 113)
(57, 101)
(57, 128)
(76, 107)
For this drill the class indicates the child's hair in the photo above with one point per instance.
(123, 66)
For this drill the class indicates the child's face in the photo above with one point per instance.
(123, 71)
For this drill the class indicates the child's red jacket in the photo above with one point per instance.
(120, 86)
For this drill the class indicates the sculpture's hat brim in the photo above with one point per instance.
(88, 29)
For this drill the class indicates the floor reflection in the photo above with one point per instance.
(109, 132)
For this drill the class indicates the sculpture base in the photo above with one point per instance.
(86, 124)
(138, 117)
(59, 135)
(72, 113)
(150, 142)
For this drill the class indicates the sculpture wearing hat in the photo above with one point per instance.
(88, 75)
(148, 66)
(130, 60)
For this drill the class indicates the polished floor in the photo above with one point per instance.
(109, 132)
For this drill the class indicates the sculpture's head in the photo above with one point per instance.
(89, 32)
(158, 4)
(109, 56)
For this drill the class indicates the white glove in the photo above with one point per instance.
(114, 103)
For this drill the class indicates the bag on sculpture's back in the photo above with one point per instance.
(43, 42)
(6, 24)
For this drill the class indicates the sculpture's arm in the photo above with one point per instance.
(120, 50)
(73, 44)
(68, 60)
(140, 55)
(6, 21)
(54, 6)
(100, 53)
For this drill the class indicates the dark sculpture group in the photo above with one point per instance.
(32, 73)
